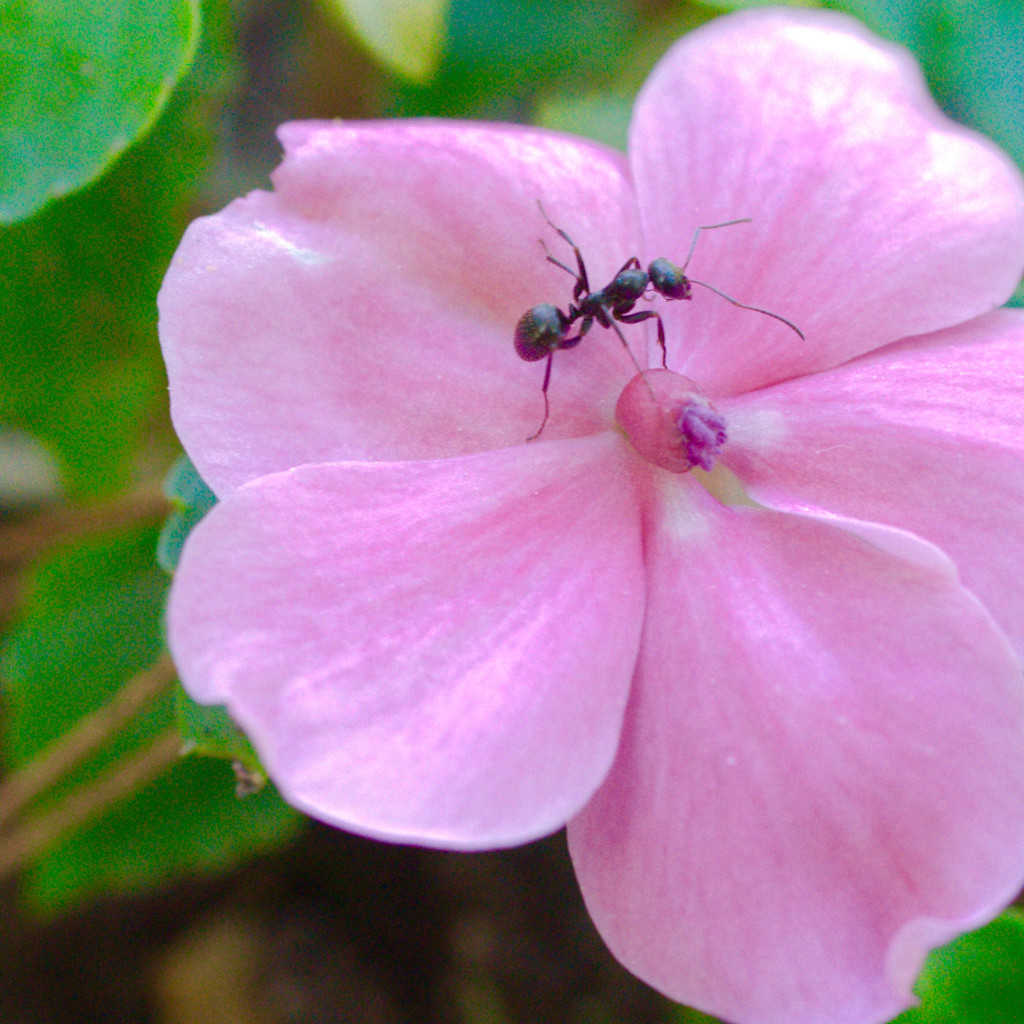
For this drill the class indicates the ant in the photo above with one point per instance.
(545, 329)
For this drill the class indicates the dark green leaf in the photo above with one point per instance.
(193, 499)
(80, 81)
(686, 1015)
(93, 620)
(208, 730)
(187, 820)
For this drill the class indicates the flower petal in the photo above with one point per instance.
(874, 216)
(821, 771)
(927, 435)
(437, 652)
(366, 308)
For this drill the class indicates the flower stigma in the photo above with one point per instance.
(669, 422)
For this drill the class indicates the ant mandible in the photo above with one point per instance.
(545, 329)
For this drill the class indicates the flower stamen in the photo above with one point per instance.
(701, 433)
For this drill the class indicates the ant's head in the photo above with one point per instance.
(669, 280)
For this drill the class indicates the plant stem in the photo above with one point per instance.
(21, 542)
(25, 844)
(21, 788)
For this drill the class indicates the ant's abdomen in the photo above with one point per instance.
(540, 331)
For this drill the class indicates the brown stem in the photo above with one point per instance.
(24, 541)
(26, 843)
(21, 788)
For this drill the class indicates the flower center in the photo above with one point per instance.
(669, 422)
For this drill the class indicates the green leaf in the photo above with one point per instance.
(209, 731)
(407, 36)
(976, 979)
(193, 499)
(80, 81)
(80, 362)
(94, 619)
(186, 488)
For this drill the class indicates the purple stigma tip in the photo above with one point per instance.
(701, 433)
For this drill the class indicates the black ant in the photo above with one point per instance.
(545, 329)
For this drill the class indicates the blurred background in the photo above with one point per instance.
(137, 885)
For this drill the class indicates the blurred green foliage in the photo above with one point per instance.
(405, 35)
(500, 56)
(80, 363)
(976, 979)
(94, 618)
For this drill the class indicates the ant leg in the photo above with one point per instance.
(631, 262)
(588, 322)
(756, 309)
(635, 318)
(639, 369)
(710, 227)
(625, 344)
(544, 392)
(582, 284)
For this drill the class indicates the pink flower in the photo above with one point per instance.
(780, 702)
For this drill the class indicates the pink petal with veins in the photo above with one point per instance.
(365, 308)
(434, 652)
(927, 435)
(874, 215)
(820, 774)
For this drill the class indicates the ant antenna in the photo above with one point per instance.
(728, 298)
(710, 227)
(756, 309)
(557, 263)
